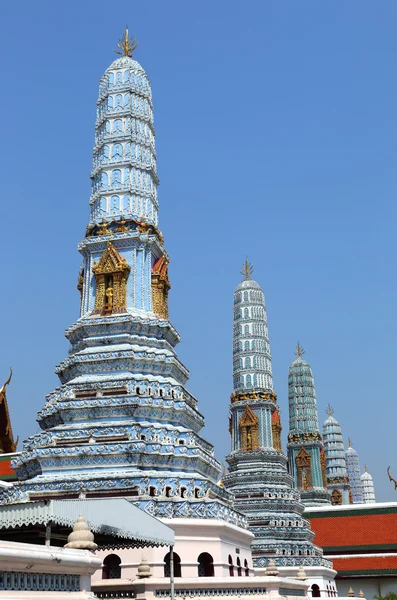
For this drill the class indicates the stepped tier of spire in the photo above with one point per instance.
(252, 368)
(305, 447)
(258, 475)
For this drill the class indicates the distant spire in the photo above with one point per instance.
(365, 469)
(330, 410)
(126, 45)
(349, 443)
(299, 351)
(247, 270)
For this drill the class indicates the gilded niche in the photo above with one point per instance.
(249, 430)
(336, 497)
(276, 431)
(303, 463)
(111, 274)
(160, 287)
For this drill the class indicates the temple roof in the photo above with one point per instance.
(115, 521)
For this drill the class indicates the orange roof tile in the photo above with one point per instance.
(358, 530)
(365, 563)
(5, 468)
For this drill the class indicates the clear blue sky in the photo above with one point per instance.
(276, 138)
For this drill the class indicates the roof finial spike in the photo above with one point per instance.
(349, 443)
(126, 45)
(299, 351)
(365, 469)
(247, 270)
(330, 410)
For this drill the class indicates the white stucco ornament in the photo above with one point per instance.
(144, 569)
(81, 536)
(271, 569)
(301, 575)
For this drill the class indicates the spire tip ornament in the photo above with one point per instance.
(126, 45)
(247, 270)
(299, 351)
(330, 410)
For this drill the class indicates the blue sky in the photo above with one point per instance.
(276, 139)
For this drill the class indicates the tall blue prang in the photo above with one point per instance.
(122, 421)
(306, 457)
(258, 475)
(337, 479)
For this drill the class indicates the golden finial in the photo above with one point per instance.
(330, 410)
(247, 270)
(299, 351)
(3, 389)
(126, 45)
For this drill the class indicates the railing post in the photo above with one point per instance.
(48, 534)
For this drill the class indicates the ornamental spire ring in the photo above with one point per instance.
(126, 45)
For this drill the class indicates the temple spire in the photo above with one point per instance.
(247, 270)
(305, 448)
(126, 45)
(335, 454)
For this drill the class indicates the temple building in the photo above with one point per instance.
(368, 487)
(258, 475)
(337, 478)
(353, 473)
(306, 457)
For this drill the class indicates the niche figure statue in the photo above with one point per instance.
(109, 298)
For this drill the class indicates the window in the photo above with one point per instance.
(177, 565)
(246, 568)
(168, 491)
(205, 565)
(231, 567)
(111, 567)
(315, 591)
(183, 492)
(239, 570)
